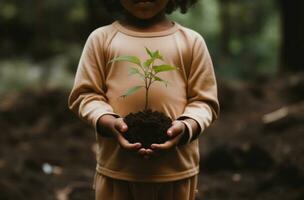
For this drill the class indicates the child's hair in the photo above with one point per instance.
(183, 5)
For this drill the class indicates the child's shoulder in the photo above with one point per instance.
(191, 34)
(103, 32)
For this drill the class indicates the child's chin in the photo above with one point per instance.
(143, 1)
(144, 15)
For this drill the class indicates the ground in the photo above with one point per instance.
(253, 151)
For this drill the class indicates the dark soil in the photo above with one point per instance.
(147, 127)
(243, 157)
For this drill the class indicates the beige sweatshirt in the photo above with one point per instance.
(191, 92)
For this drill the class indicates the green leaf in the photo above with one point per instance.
(148, 62)
(132, 90)
(135, 71)
(163, 68)
(156, 78)
(157, 55)
(149, 52)
(132, 59)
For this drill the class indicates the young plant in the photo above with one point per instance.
(146, 71)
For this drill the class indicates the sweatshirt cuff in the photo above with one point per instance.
(97, 131)
(189, 131)
(203, 117)
(197, 119)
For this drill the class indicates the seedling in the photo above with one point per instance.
(146, 71)
(146, 127)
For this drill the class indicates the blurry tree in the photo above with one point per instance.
(42, 29)
(242, 35)
(247, 38)
(226, 28)
(292, 47)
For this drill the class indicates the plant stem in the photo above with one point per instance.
(147, 99)
(148, 82)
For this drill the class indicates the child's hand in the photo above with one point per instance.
(116, 127)
(176, 131)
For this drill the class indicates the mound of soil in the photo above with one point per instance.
(147, 127)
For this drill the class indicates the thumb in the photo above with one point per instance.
(176, 129)
(120, 125)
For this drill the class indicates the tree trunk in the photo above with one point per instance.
(225, 35)
(292, 46)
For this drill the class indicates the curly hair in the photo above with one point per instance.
(183, 5)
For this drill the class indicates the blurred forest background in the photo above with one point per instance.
(254, 151)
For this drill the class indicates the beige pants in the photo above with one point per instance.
(111, 189)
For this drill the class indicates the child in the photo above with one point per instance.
(127, 171)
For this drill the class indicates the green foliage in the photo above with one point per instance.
(23, 74)
(8, 10)
(131, 59)
(44, 29)
(146, 70)
(132, 90)
(253, 39)
(163, 68)
(39, 31)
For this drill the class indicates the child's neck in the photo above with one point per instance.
(158, 23)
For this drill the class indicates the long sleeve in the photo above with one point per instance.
(88, 96)
(202, 102)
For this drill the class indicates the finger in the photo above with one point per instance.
(129, 146)
(150, 152)
(168, 144)
(176, 129)
(126, 144)
(164, 146)
(142, 151)
(120, 125)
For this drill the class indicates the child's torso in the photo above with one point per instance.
(175, 45)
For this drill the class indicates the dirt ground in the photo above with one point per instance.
(254, 151)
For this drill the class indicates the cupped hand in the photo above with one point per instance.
(175, 132)
(117, 127)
